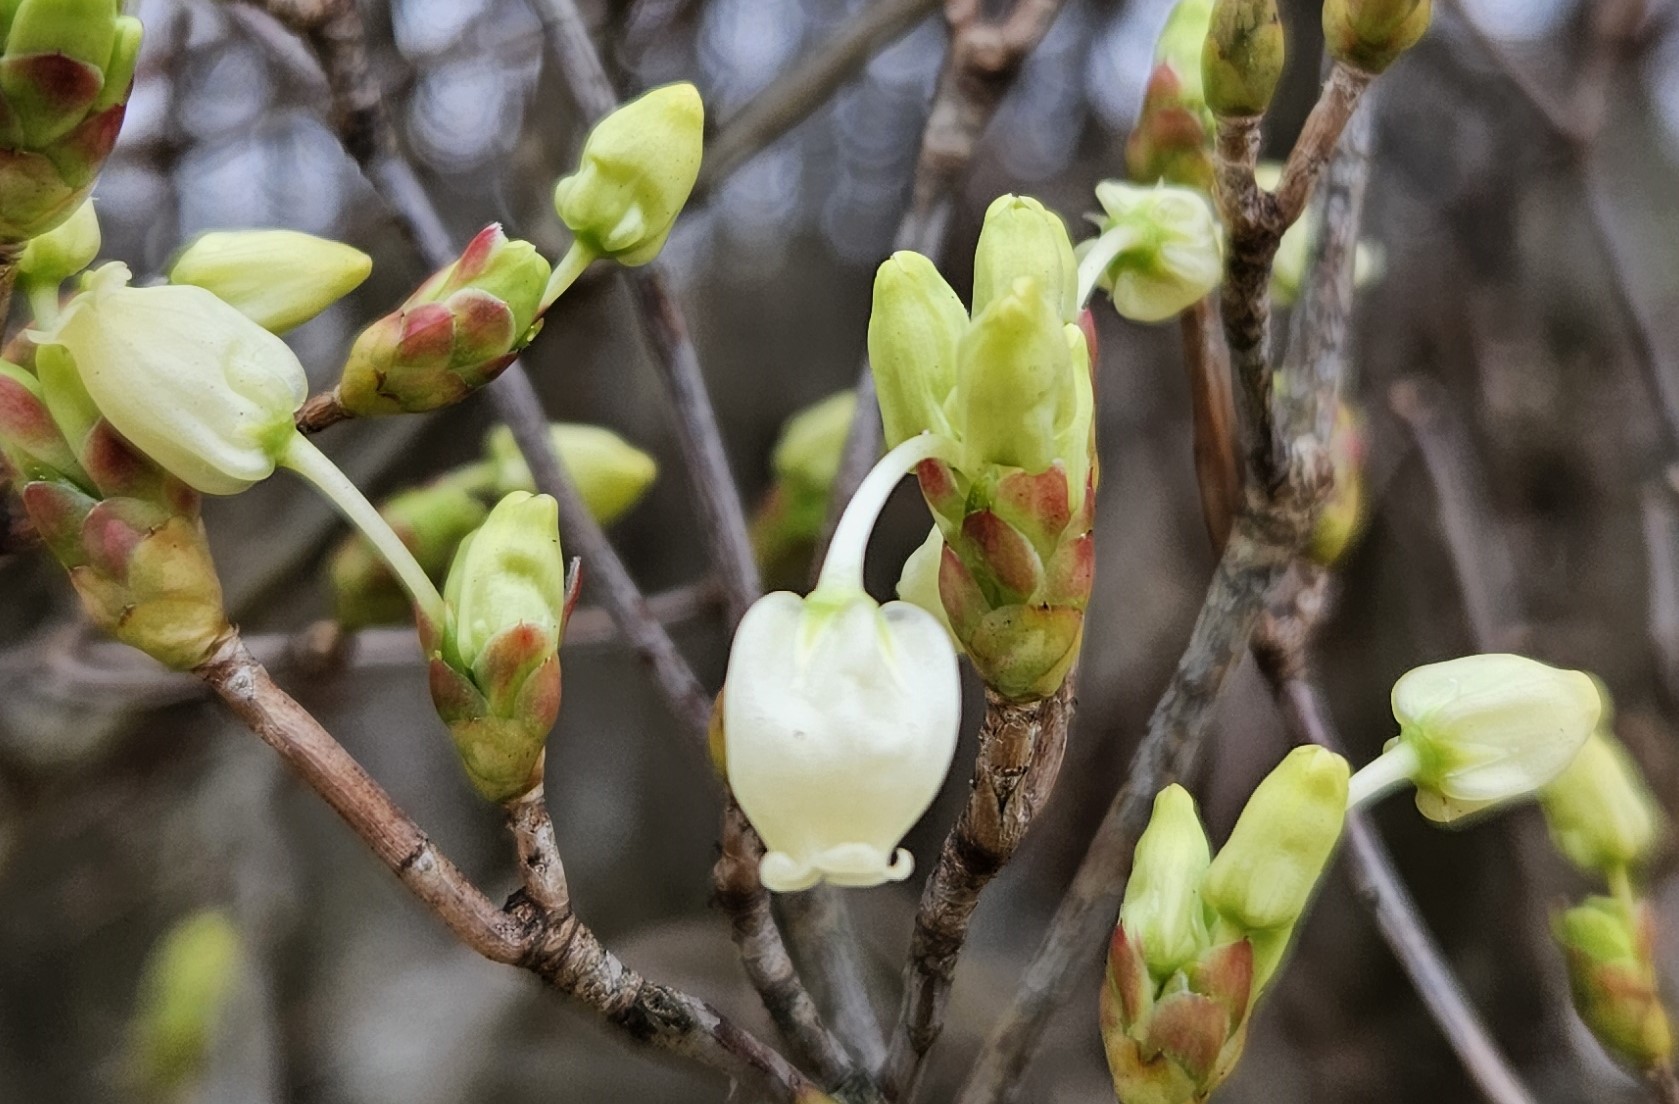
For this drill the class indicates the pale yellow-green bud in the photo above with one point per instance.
(1180, 46)
(1163, 909)
(1263, 877)
(1481, 730)
(914, 330)
(1243, 58)
(1160, 250)
(1609, 946)
(611, 474)
(1371, 34)
(1600, 810)
(47, 261)
(184, 991)
(1016, 387)
(510, 571)
(808, 454)
(1021, 237)
(637, 168)
(279, 279)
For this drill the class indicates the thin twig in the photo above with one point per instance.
(540, 868)
(787, 100)
(549, 940)
(1281, 648)
(1273, 527)
(1021, 747)
(1218, 469)
(1661, 547)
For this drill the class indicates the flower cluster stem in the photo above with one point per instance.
(842, 571)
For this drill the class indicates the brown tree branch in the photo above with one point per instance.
(1021, 747)
(1218, 469)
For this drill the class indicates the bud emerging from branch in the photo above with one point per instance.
(1481, 730)
(1160, 250)
(495, 676)
(65, 75)
(1169, 143)
(1243, 58)
(1179, 49)
(457, 332)
(279, 279)
(1341, 520)
(1609, 944)
(1163, 910)
(1600, 810)
(638, 166)
(1371, 34)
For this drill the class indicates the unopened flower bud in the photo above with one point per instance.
(611, 474)
(1160, 250)
(1263, 877)
(457, 332)
(50, 259)
(1023, 238)
(185, 989)
(914, 330)
(65, 78)
(1017, 387)
(1600, 810)
(495, 678)
(789, 519)
(188, 380)
(1243, 58)
(1481, 730)
(1371, 34)
(1180, 45)
(1169, 143)
(431, 521)
(1342, 518)
(638, 166)
(279, 279)
(1611, 971)
(1163, 909)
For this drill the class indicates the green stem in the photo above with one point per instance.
(843, 569)
(302, 457)
(565, 274)
(43, 303)
(1387, 772)
(1620, 887)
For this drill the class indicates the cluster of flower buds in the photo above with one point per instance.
(279, 279)
(839, 716)
(1242, 60)
(495, 664)
(1480, 731)
(1159, 250)
(1199, 938)
(789, 520)
(1369, 35)
(455, 333)
(66, 68)
(1011, 389)
(611, 474)
(128, 533)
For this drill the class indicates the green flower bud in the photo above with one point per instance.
(914, 330)
(457, 332)
(1022, 238)
(1160, 249)
(64, 77)
(1600, 810)
(1371, 34)
(185, 378)
(1180, 46)
(185, 988)
(1263, 877)
(431, 521)
(1243, 57)
(1481, 730)
(50, 259)
(1017, 384)
(279, 279)
(611, 474)
(1611, 972)
(638, 166)
(808, 453)
(1169, 143)
(495, 678)
(789, 519)
(1163, 909)
(1342, 518)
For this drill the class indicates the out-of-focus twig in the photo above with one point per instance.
(1218, 470)
(1281, 647)
(1270, 531)
(1661, 544)
(538, 931)
(793, 95)
(1021, 747)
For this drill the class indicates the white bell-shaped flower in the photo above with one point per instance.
(187, 379)
(841, 715)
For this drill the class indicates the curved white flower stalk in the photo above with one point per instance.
(1479, 731)
(840, 714)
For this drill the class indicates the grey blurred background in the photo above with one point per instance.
(126, 802)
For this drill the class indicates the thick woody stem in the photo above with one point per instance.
(1021, 746)
(1218, 469)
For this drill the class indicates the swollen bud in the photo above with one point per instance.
(495, 676)
(1609, 944)
(279, 279)
(52, 258)
(1159, 252)
(611, 474)
(1169, 143)
(185, 988)
(457, 332)
(914, 329)
(1243, 57)
(1370, 34)
(1342, 518)
(1179, 48)
(1163, 909)
(638, 166)
(1023, 238)
(1017, 389)
(1600, 810)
